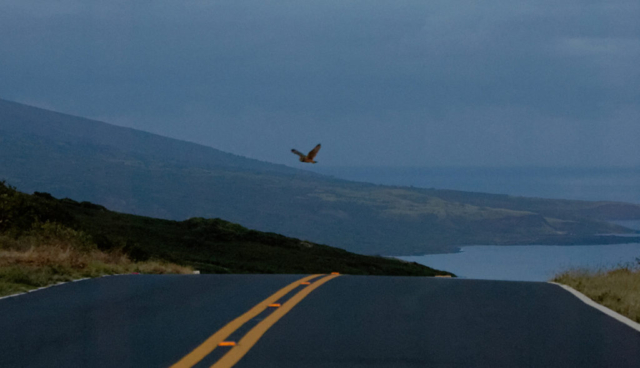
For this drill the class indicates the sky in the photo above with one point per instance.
(378, 83)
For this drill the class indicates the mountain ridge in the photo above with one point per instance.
(142, 173)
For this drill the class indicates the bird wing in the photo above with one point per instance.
(298, 153)
(314, 152)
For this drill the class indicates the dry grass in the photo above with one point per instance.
(617, 289)
(33, 262)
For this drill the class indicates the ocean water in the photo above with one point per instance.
(528, 263)
(613, 184)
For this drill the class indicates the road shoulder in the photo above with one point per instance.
(601, 308)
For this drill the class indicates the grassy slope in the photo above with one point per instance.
(44, 240)
(617, 289)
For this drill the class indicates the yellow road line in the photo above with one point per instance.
(212, 342)
(246, 343)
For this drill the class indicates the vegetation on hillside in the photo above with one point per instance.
(219, 246)
(44, 240)
(617, 289)
(38, 248)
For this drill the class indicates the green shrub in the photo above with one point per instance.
(19, 212)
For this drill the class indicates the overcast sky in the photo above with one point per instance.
(434, 83)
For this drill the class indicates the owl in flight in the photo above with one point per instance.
(309, 157)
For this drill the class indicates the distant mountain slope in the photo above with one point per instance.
(136, 172)
(29, 122)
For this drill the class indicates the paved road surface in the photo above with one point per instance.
(349, 321)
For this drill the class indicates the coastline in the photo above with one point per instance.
(540, 262)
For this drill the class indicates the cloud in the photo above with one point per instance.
(615, 59)
(599, 46)
(492, 82)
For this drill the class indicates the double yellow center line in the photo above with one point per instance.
(242, 347)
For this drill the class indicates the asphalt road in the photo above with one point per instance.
(349, 321)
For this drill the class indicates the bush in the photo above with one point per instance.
(19, 212)
(136, 253)
(54, 233)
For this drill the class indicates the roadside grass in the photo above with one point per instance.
(35, 261)
(617, 289)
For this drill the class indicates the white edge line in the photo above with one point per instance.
(601, 308)
(59, 283)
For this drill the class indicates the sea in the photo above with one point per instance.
(529, 262)
(519, 263)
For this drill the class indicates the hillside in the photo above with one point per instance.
(145, 174)
(208, 245)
